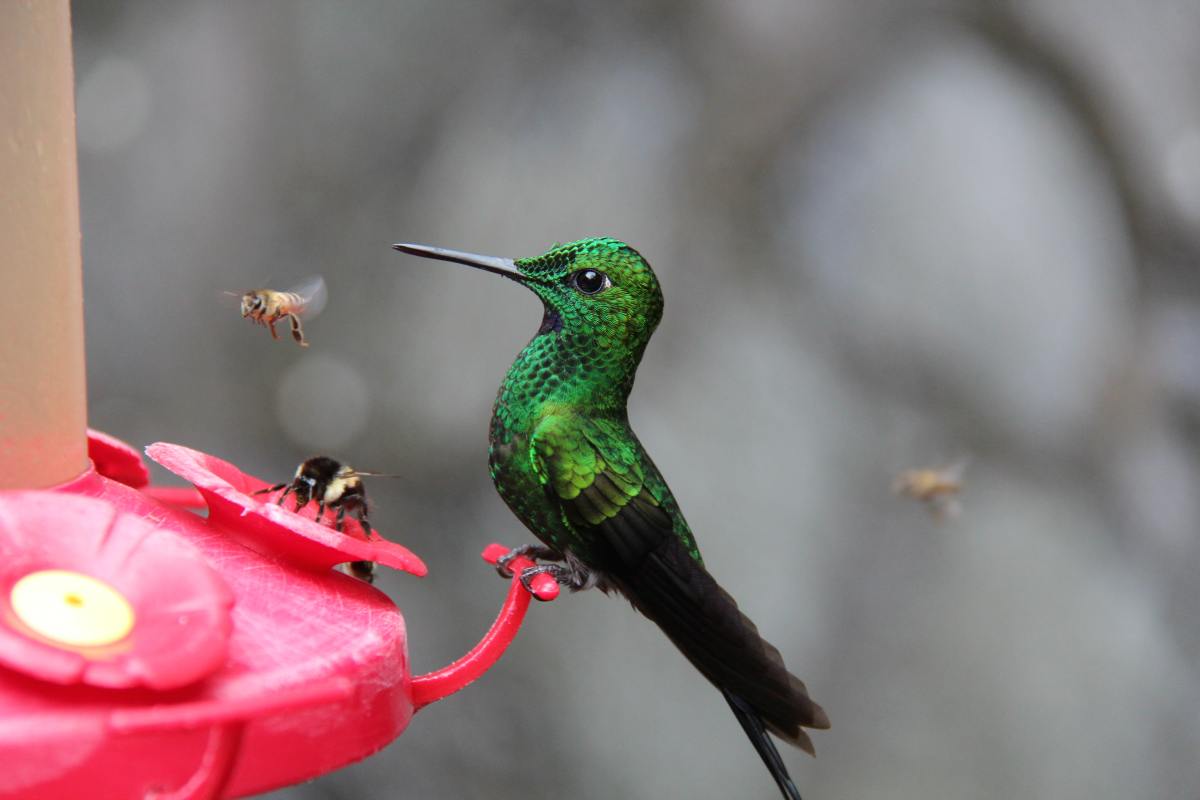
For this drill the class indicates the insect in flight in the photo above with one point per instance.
(268, 306)
(336, 486)
(937, 487)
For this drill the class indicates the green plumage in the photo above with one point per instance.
(562, 453)
(565, 460)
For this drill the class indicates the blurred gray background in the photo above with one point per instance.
(890, 234)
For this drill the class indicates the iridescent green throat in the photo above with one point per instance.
(587, 350)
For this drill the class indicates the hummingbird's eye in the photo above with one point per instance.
(589, 281)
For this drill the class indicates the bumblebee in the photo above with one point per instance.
(333, 485)
(937, 487)
(267, 306)
(363, 570)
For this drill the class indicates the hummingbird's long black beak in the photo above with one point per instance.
(500, 266)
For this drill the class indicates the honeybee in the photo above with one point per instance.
(938, 487)
(333, 485)
(267, 306)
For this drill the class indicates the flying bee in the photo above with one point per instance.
(937, 487)
(267, 306)
(336, 486)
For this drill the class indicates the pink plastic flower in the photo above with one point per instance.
(117, 460)
(261, 524)
(92, 595)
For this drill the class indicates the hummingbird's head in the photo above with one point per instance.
(597, 287)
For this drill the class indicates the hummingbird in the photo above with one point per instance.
(565, 460)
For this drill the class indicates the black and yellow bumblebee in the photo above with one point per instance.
(333, 485)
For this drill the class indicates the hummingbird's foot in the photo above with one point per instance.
(560, 572)
(533, 551)
(571, 574)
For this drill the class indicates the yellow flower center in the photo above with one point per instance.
(72, 608)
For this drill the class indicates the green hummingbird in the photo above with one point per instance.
(566, 461)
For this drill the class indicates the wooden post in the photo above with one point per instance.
(43, 400)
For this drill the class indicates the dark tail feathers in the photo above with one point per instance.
(752, 724)
(704, 622)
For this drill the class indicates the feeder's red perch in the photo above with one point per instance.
(446, 681)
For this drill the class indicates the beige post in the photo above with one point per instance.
(43, 402)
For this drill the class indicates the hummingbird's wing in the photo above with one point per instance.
(616, 504)
(597, 478)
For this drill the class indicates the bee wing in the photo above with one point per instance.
(312, 294)
(955, 469)
(362, 474)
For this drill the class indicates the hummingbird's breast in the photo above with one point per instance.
(556, 374)
(516, 479)
(522, 402)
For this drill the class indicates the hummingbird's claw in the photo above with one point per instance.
(532, 551)
(559, 572)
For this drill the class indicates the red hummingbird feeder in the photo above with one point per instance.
(147, 651)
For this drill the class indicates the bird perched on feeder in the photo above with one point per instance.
(566, 461)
